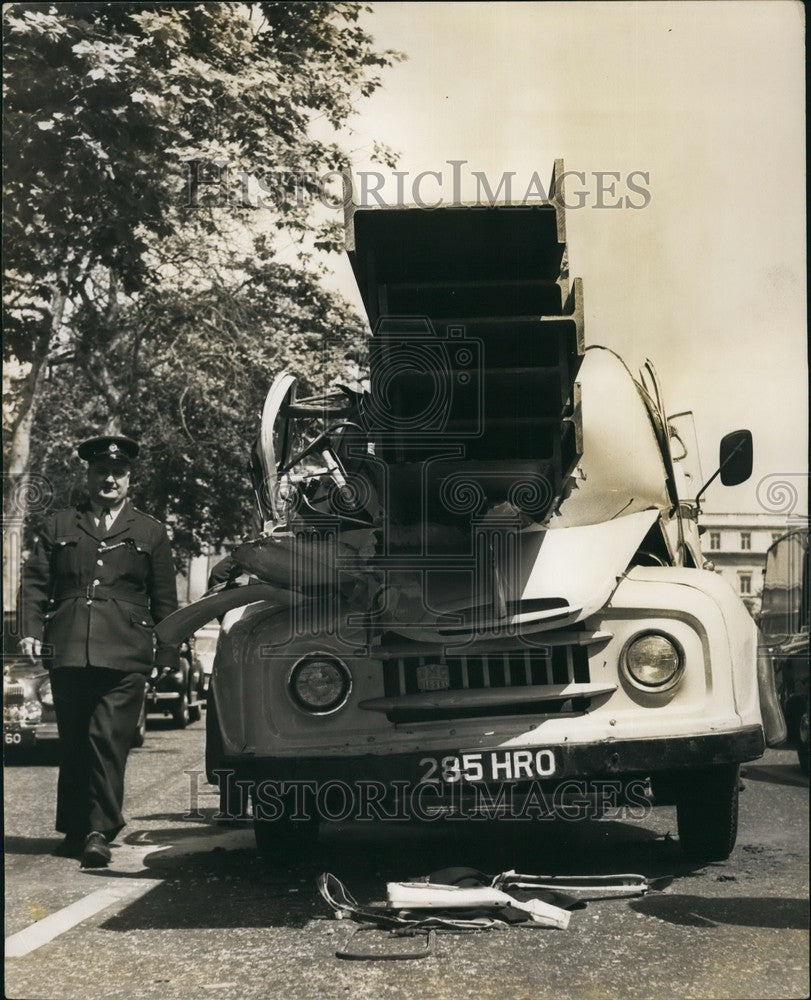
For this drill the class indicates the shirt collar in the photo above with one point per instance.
(97, 510)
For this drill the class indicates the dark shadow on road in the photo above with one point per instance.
(777, 774)
(175, 817)
(745, 911)
(161, 723)
(42, 755)
(216, 887)
(31, 845)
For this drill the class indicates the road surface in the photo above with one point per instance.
(187, 909)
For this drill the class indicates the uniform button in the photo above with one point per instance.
(89, 603)
(143, 623)
(96, 583)
(99, 562)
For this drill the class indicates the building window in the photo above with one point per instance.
(715, 539)
(745, 583)
(746, 540)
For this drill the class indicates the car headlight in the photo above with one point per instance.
(30, 712)
(45, 693)
(653, 661)
(320, 683)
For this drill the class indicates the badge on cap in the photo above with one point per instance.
(118, 448)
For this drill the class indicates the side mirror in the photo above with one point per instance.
(735, 457)
(735, 462)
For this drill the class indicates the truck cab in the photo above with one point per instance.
(480, 581)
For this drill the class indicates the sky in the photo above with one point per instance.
(701, 106)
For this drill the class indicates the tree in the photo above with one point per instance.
(201, 381)
(130, 130)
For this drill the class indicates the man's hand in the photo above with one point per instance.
(32, 648)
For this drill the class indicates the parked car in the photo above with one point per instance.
(29, 718)
(784, 620)
(482, 573)
(178, 693)
(28, 709)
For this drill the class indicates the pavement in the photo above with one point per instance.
(187, 908)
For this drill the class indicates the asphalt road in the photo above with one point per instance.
(187, 909)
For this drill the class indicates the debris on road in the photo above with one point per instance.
(463, 899)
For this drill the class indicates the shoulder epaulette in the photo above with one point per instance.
(143, 513)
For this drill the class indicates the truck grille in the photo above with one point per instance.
(515, 669)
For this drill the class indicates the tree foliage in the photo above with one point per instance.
(141, 278)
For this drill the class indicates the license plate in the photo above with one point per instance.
(488, 765)
(433, 677)
(19, 737)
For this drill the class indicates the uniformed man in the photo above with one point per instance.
(100, 575)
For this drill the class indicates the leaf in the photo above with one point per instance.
(134, 207)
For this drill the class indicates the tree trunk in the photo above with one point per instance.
(24, 491)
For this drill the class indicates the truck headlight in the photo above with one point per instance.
(653, 661)
(320, 683)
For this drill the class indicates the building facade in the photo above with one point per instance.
(736, 545)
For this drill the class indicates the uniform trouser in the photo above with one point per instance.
(96, 712)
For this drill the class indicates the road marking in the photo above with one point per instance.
(128, 860)
(50, 927)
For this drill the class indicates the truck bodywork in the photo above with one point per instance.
(490, 556)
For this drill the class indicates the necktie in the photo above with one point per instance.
(106, 519)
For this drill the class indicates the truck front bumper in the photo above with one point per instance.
(606, 758)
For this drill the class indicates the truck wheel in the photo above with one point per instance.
(279, 840)
(707, 812)
(795, 707)
(214, 748)
(180, 711)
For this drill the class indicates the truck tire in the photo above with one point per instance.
(279, 840)
(794, 712)
(214, 749)
(707, 812)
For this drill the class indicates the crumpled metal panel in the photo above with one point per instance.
(621, 470)
(582, 564)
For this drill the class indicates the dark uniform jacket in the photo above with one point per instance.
(94, 595)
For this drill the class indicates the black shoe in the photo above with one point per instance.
(96, 853)
(71, 847)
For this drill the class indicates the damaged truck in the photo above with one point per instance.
(481, 571)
